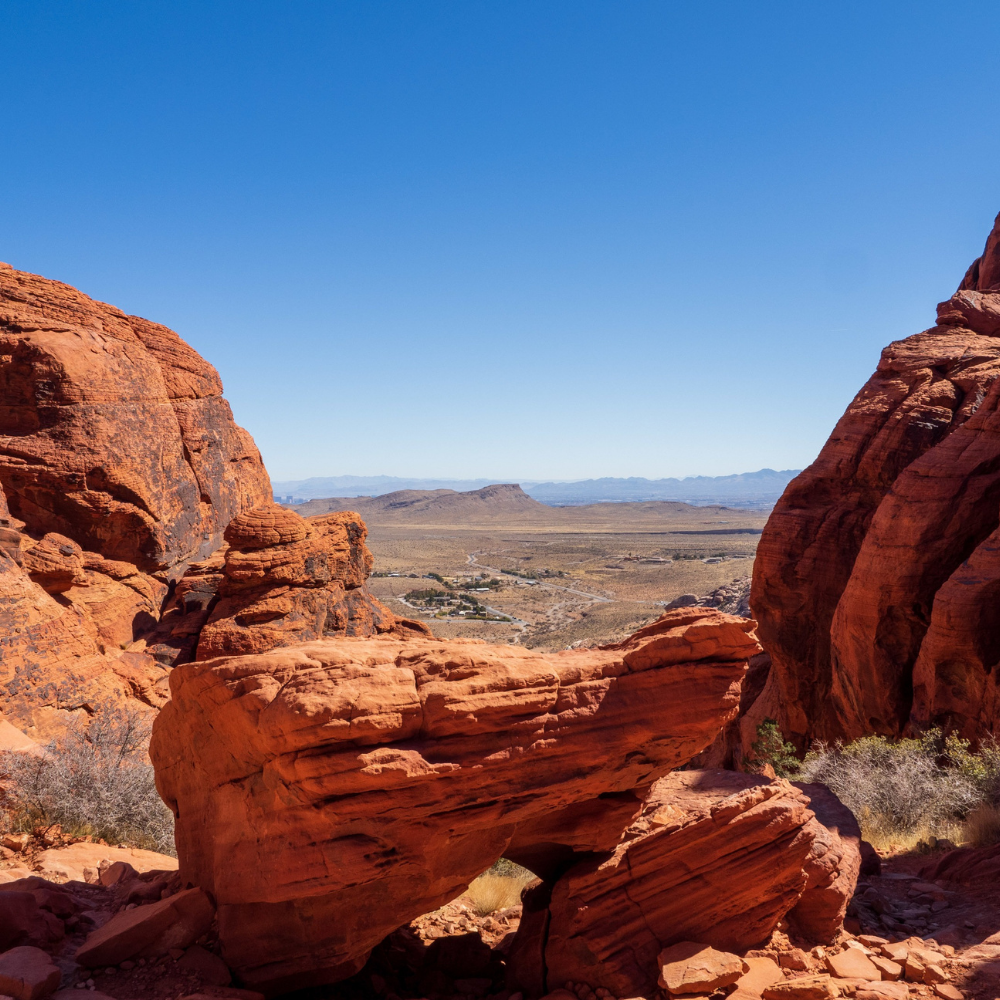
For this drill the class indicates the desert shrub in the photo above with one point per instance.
(902, 790)
(506, 868)
(96, 780)
(770, 748)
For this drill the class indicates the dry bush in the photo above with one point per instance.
(96, 780)
(903, 791)
(498, 888)
(982, 826)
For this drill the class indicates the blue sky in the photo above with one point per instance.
(516, 240)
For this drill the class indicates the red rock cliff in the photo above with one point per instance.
(114, 432)
(119, 463)
(877, 577)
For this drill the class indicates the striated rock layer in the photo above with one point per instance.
(877, 578)
(714, 856)
(291, 579)
(328, 792)
(114, 432)
(279, 579)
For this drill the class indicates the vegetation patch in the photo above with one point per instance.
(904, 792)
(95, 781)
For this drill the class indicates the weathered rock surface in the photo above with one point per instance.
(113, 431)
(330, 791)
(58, 654)
(832, 868)
(692, 967)
(119, 464)
(876, 580)
(289, 579)
(75, 861)
(48, 928)
(27, 973)
(715, 856)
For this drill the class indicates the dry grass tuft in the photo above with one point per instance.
(907, 791)
(982, 826)
(498, 888)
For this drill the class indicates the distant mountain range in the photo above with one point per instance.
(758, 490)
(754, 490)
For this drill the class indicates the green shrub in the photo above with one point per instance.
(770, 748)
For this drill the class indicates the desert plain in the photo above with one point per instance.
(568, 576)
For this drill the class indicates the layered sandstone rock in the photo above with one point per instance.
(114, 432)
(714, 856)
(278, 579)
(877, 576)
(328, 792)
(289, 579)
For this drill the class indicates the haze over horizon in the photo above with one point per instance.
(550, 242)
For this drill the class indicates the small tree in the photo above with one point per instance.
(770, 748)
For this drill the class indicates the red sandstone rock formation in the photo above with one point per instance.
(63, 657)
(290, 579)
(714, 856)
(278, 580)
(119, 459)
(114, 432)
(877, 576)
(328, 792)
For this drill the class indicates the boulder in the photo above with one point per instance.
(175, 922)
(821, 987)
(833, 867)
(28, 973)
(23, 921)
(967, 865)
(690, 967)
(12, 740)
(201, 963)
(853, 964)
(74, 861)
(761, 972)
(882, 991)
(289, 579)
(948, 992)
(53, 664)
(718, 857)
(328, 792)
(889, 970)
(119, 464)
(876, 577)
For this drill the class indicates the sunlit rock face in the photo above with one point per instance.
(877, 578)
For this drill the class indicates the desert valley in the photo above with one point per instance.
(565, 576)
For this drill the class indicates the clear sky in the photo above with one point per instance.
(549, 239)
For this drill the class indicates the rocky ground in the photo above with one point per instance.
(909, 936)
